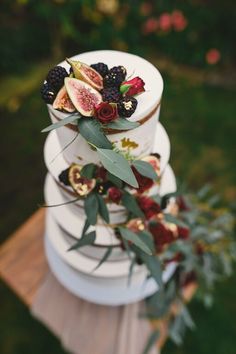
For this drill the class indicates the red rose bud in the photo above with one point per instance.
(132, 87)
(106, 112)
(183, 232)
(148, 206)
(114, 194)
(161, 234)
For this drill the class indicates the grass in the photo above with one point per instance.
(200, 121)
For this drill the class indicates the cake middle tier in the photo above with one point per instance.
(71, 217)
(56, 163)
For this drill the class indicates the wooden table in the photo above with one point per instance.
(23, 265)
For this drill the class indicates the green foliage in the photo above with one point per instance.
(130, 236)
(66, 22)
(91, 208)
(92, 132)
(87, 239)
(117, 165)
(130, 203)
(104, 258)
(122, 124)
(115, 180)
(151, 341)
(88, 170)
(145, 169)
(102, 208)
(71, 118)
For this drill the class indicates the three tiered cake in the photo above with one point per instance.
(107, 158)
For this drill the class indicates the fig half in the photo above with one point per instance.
(83, 96)
(81, 185)
(85, 73)
(63, 102)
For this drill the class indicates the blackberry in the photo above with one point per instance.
(127, 106)
(111, 94)
(120, 70)
(47, 93)
(56, 76)
(101, 68)
(64, 177)
(113, 80)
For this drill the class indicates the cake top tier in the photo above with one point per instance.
(136, 66)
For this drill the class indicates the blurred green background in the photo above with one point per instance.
(192, 43)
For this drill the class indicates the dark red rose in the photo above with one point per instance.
(114, 194)
(161, 234)
(106, 112)
(136, 86)
(148, 206)
(144, 182)
(101, 173)
(183, 232)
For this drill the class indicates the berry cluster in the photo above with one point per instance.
(54, 82)
(112, 79)
(117, 93)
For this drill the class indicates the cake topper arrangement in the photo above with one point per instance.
(92, 90)
(155, 229)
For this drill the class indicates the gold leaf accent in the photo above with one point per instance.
(127, 143)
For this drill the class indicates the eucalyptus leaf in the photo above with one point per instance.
(64, 148)
(91, 130)
(187, 317)
(176, 330)
(127, 248)
(117, 165)
(85, 227)
(151, 341)
(145, 169)
(102, 208)
(87, 239)
(147, 237)
(122, 124)
(104, 258)
(154, 266)
(131, 204)
(88, 170)
(135, 239)
(91, 208)
(115, 180)
(71, 118)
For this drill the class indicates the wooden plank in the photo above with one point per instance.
(23, 265)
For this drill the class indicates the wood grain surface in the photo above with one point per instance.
(23, 265)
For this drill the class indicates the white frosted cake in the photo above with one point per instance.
(107, 173)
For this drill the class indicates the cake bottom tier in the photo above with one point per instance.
(107, 285)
